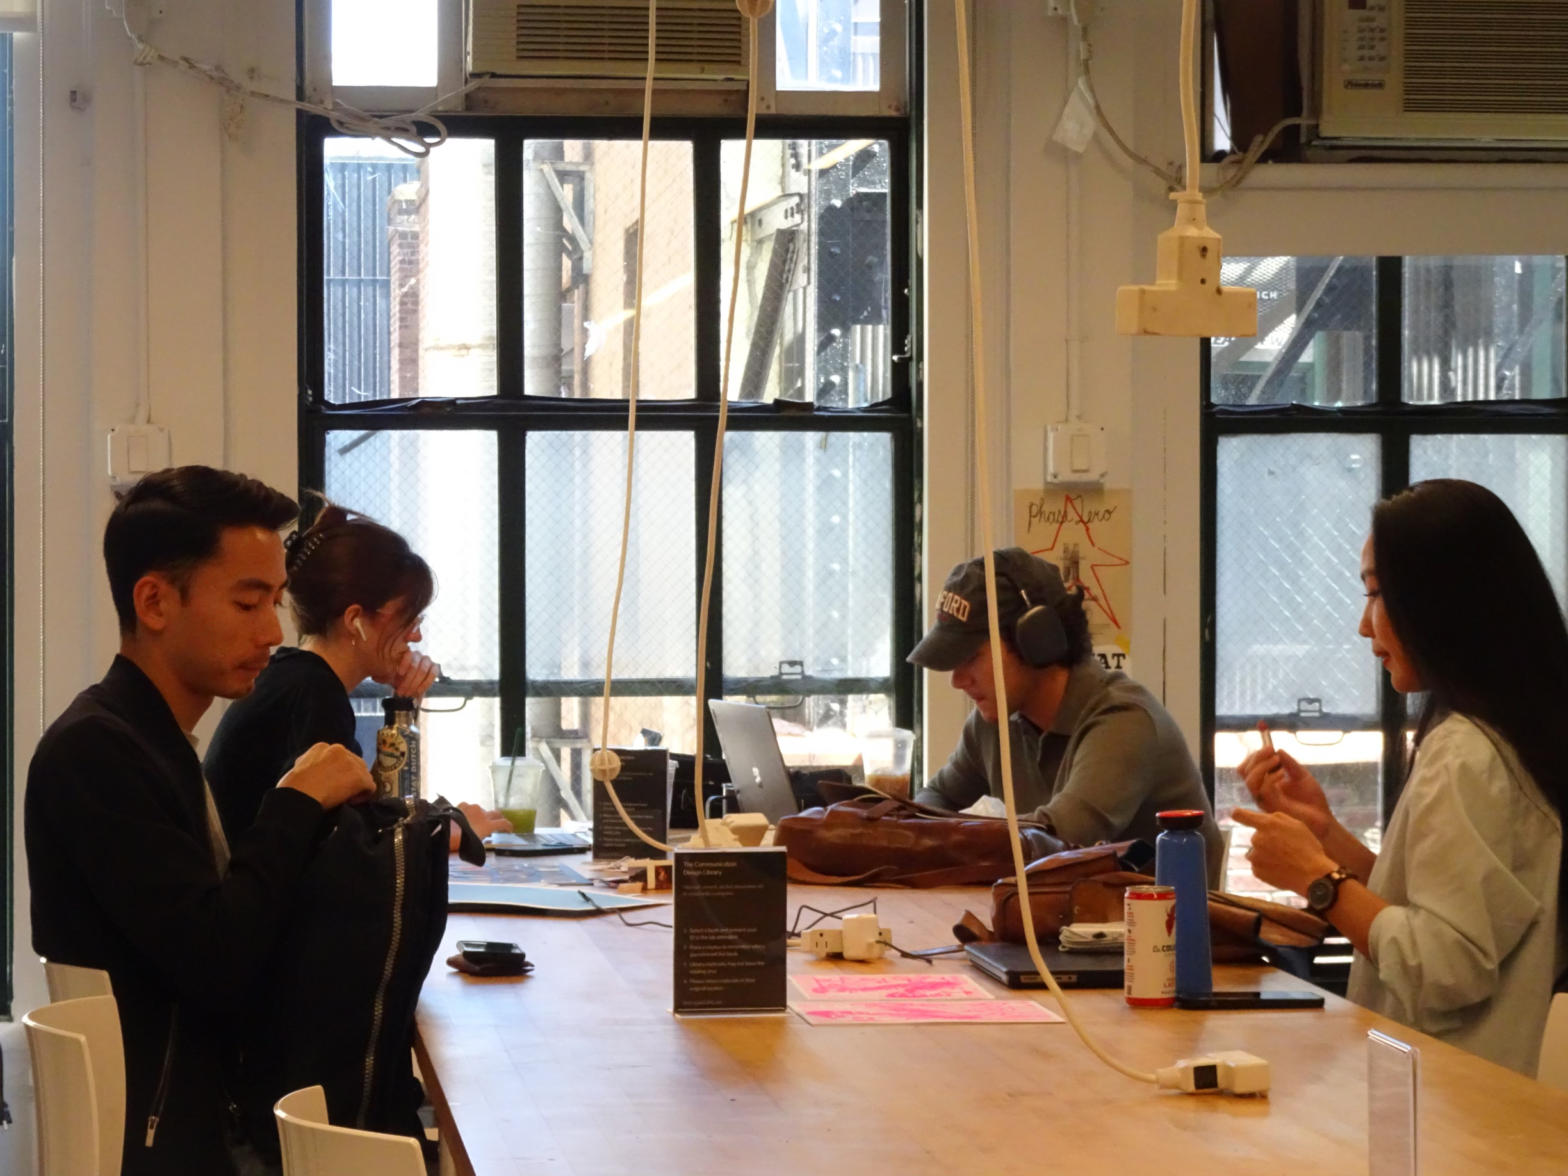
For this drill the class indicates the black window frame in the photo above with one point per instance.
(7, 496)
(511, 415)
(1394, 422)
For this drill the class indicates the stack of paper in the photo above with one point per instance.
(839, 998)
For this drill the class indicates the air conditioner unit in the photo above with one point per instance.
(1445, 70)
(698, 39)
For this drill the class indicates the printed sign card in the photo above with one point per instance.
(644, 789)
(730, 930)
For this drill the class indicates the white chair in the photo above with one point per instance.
(69, 982)
(78, 1085)
(1554, 1045)
(313, 1147)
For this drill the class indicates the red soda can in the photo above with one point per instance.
(1150, 952)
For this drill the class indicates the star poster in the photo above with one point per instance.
(1087, 534)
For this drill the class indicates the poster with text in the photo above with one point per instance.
(1087, 534)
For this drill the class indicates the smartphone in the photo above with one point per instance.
(1248, 1000)
(485, 951)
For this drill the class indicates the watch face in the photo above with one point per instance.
(1320, 895)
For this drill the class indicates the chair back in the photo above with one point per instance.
(313, 1147)
(69, 982)
(78, 1085)
(1554, 1045)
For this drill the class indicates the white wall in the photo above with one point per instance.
(1145, 391)
(199, 295)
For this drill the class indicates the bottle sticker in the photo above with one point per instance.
(391, 755)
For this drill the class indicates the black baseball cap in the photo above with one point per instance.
(962, 623)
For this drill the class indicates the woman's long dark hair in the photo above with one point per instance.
(1471, 604)
(344, 558)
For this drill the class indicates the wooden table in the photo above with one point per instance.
(581, 1068)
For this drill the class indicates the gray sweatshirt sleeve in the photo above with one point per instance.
(1109, 777)
(963, 779)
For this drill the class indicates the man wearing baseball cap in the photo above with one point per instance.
(1095, 755)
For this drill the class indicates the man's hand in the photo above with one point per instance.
(1284, 852)
(330, 774)
(1280, 785)
(416, 673)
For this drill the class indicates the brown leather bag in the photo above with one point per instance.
(1092, 877)
(1088, 886)
(878, 840)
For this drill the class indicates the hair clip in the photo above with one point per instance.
(300, 546)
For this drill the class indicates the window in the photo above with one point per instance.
(1367, 374)
(467, 356)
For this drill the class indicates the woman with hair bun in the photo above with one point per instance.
(358, 593)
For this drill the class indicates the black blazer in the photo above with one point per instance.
(123, 878)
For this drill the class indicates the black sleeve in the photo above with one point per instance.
(155, 881)
(320, 712)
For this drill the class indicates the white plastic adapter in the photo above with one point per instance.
(1227, 1072)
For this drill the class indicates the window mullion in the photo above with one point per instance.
(509, 263)
(706, 435)
(511, 483)
(708, 258)
(1394, 438)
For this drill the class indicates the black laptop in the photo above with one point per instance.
(539, 843)
(1011, 964)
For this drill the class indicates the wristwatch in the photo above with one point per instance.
(1324, 892)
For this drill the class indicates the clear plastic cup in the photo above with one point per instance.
(520, 795)
(887, 757)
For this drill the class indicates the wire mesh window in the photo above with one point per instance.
(814, 316)
(1315, 342)
(409, 279)
(438, 490)
(1368, 374)
(468, 332)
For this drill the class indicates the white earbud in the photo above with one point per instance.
(359, 627)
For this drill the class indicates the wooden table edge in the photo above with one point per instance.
(446, 1122)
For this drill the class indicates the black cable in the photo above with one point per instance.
(588, 898)
(796, 929)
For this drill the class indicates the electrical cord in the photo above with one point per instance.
(415, 133)
(796, 929)
(588, 898)
(1234, 168)
(983, 477)
(604, 764)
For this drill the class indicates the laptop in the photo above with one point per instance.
(538, 843)
(1011, 964)
(751, 752)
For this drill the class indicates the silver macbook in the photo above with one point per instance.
(751, 752)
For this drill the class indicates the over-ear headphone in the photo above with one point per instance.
(1038, 634)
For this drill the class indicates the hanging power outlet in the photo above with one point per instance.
(135, 450)
(1074, 454)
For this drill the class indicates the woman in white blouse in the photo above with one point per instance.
(1456, 922)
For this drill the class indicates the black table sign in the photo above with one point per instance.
(644, 788)
(730, 935)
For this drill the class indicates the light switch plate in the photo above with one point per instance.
(1074, 454)
(135, 450)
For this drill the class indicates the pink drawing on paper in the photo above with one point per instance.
(931, 986)
(936, 1012)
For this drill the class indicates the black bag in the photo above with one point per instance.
(335, 1008)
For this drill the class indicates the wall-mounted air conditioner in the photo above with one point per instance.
(698, 39)
(1445, 70)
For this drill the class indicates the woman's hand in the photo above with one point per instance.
(482, 821)
(416, 673)
(1279, 784)
(1285, 853)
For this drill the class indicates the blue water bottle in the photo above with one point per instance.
(1181, 860)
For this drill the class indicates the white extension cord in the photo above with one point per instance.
(983, 478)
(605, 765)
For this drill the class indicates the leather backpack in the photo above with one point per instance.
(880, 840)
